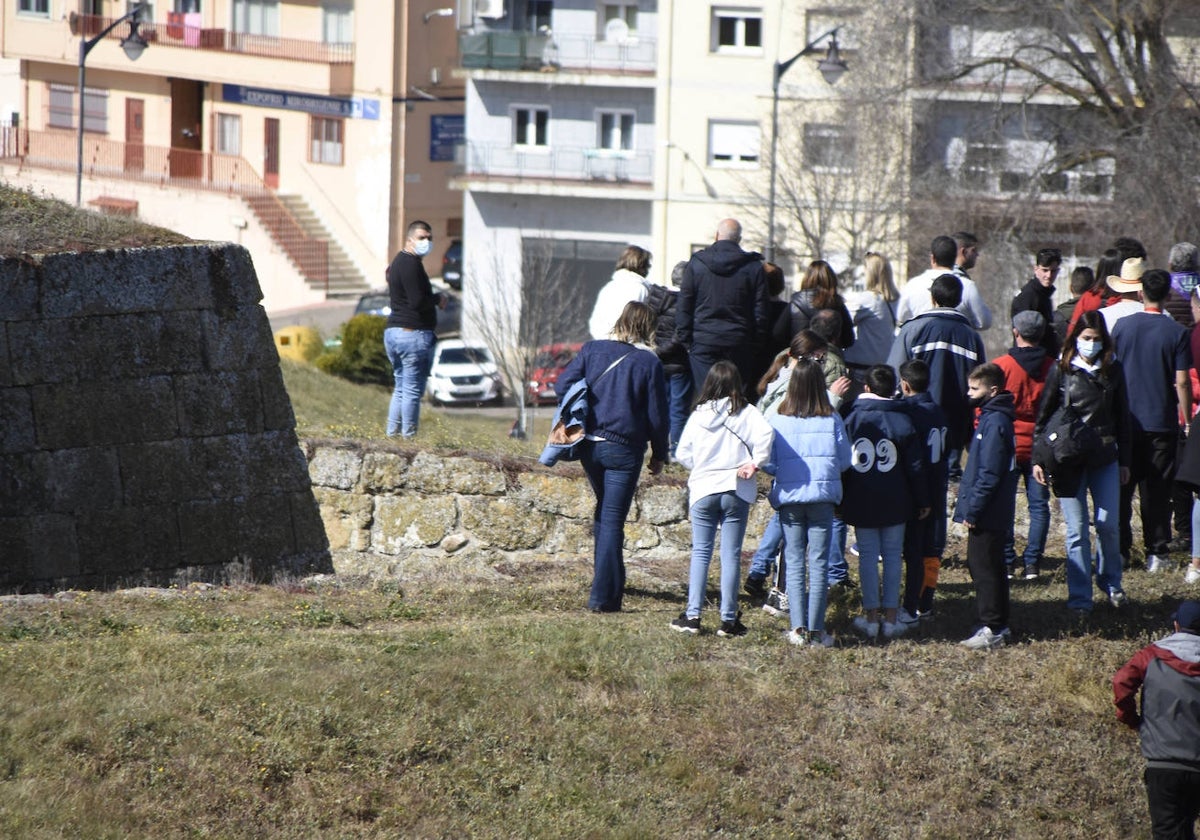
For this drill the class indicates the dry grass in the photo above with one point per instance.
(32, 224)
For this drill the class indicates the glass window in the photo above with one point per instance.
(737, 30)
(327, 140)
(34, 7)
(828, 147)
(614, 130)
(229, 134)
(624, 12)
(256, 17)
(337, 23)
(64, 104)
(530, 126)
(187, 7)
(734, 144)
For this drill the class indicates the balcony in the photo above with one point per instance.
(498, 167)
(538, 52)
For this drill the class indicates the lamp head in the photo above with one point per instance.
(832, 66)
(134, 45)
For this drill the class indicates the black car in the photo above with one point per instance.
(452, 265)
(449, 320)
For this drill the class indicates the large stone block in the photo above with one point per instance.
(160, 473)
(561, 495)
(338, 468)
(384, 472)
(275, 463)
(219, 403)
(24, 484)
(102, 413)
(436, 474)
(660, 504)
(37, 549)
(208, 531)
(402, 522)
(81, 479)
(346, 517)
(238, 339)
(309, 530)
(505, 523)
(17, 432)
(267, 534)
(5, 359)
(123, 281)
(231, 277)
(20, 283)
(120, 544)
(276, 404)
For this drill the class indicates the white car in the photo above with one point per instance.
(463, 372)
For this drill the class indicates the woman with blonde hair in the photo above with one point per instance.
(818, 291)
(874, 314)
(628, 283)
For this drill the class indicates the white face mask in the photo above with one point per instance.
(1089, 349)
(422, 246)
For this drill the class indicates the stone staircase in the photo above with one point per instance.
(345, 280)
(322, 261)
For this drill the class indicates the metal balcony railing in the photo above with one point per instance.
(537, 51)
(559, 163)
(177, 33)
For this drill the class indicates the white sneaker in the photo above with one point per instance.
(893, 631)
(906, 618)
(870, 629)
(1192, 575)
(1118, 598)
(797, 637)
(1155, 564)
(819, 638)
(776, 604)
(985, 639)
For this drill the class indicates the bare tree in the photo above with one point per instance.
(526, 304)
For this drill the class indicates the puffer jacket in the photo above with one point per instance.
(1025, 371)
(808, 457)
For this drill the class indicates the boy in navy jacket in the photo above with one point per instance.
(884, 488)
(924, 539)
(987, 502)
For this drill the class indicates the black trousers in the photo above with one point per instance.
(1152, 471)
(985, 560)
(1174, 798)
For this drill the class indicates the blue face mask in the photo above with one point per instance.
(1089, 349)
(421, 248)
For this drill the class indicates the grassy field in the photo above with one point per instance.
(452, 706)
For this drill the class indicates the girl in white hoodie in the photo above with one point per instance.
(725, 442)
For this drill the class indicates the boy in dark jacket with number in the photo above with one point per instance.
(987, 502)
(924, 539)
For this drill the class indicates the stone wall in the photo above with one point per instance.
(144, 425)
(390, 510)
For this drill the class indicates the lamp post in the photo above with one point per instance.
(133, 45)
(831, 67)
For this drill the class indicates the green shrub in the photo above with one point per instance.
(361, 357)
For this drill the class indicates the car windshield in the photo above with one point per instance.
(373, 303)
(465, 356)
(547, 359)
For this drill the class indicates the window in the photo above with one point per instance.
(327, 140)
(614, 130)
(537, 14)
(256, 17)
(530, 126)
(34, 7)
(186, 7)
(737, 30)
(229, 134)
(337, 23)
(64, 105)
(828, 147)
(626, 13)
(734, 144)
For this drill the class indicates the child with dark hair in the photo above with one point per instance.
(924, 539)
(987, 501)
(884, 489)
(1082, 279)
(724, 443)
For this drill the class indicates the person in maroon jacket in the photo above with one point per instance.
(1168, 674)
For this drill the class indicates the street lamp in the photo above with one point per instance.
(133, 45)
(831, 67)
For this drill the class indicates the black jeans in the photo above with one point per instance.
(985, 560)
(1152, 471)
(1174, 798)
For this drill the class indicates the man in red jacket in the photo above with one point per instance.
(1025, 368)
(1168, 674)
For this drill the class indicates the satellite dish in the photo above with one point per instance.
(616, 30)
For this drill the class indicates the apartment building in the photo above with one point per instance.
(311, 131)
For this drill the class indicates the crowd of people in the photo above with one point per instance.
(861, 406)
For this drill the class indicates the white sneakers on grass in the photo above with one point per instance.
(985, 639)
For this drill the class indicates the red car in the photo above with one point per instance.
(550, 361)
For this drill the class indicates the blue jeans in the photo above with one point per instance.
(838, 570)
(768, 548)
(1038, 497)
(679, 404)
(806, 530)
(1195, 525)
(612, 470)
(874, 545)
(1104, 483)
(727, 511)
(411, 354)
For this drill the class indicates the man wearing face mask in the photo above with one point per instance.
(408, 337)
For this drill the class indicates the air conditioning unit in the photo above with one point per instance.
(489, 8)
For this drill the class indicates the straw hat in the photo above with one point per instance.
(1131, 276)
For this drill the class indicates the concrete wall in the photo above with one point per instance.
(145, 432)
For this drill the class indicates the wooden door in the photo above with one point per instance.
(135, 135)
(271, 152)
(186, 141)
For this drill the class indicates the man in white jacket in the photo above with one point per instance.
(915, 299)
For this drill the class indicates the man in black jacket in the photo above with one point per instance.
(1038, 295)
(722, 309)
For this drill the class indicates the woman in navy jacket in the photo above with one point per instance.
(627, 409)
